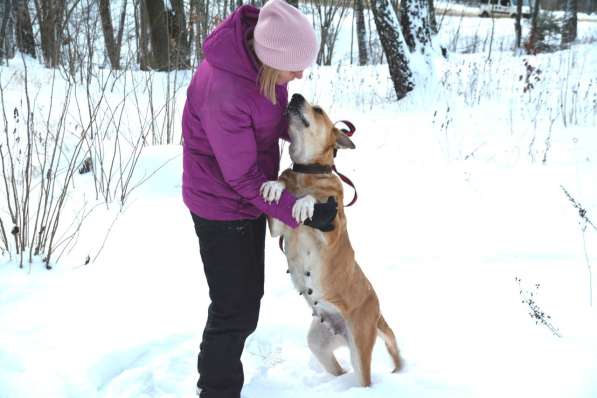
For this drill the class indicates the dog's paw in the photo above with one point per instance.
(303, 208)
(272, 191)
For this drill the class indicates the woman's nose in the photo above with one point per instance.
(298, 75)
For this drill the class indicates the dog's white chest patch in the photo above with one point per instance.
(305, 268)
(304, 265)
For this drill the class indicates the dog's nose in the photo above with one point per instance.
(296, 101)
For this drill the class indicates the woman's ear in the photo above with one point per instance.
(342, 140)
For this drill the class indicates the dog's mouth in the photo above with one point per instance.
(294, 109)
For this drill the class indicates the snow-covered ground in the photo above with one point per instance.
(461, 218)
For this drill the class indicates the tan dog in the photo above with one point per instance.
(322, 264)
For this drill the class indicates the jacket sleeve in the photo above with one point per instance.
(230, 133)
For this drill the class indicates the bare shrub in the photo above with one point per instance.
(38, 162)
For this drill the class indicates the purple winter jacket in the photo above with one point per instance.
(231, 131)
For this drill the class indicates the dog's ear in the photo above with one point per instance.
(342, 140)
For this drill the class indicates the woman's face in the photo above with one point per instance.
(285, 76)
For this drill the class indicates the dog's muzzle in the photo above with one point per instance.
(294, 108)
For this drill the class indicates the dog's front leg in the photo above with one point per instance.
(272, 191)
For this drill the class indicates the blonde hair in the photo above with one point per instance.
(267, 77)
(267, 82)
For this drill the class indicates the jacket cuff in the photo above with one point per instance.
(285, 205)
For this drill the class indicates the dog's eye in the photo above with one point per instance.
(318, 110)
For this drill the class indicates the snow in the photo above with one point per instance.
(455, 203)
(450, 8)
(460, 33)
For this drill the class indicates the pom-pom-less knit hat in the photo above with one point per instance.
(284, 38)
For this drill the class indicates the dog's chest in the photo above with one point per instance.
(306, 269)
(305, 264)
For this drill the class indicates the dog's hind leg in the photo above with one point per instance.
(386, 333)
(322, 343)
(361, 348)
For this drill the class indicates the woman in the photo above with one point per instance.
(232, 121)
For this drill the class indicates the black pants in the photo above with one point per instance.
(233, 260)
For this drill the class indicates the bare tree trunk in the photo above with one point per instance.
(195, 22)
(169, 38)
(207, 17)
(293, 3)
(160, 43)
(145, 61)
(415, 24)
(108, 30)
(534, 35)
(517, 25)
(121, 27)
(569, 28)
(394, 46)
(182, 51)
(143, 32)
(201, 18)
(51, 22)
(192, 30)
(7, 44)
(24, 29)
(361, 32)
(224, 10)
(432, 20)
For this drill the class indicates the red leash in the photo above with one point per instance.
(349, 132)
(348, 182)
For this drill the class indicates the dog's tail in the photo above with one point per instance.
(384, 331)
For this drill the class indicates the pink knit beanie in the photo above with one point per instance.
(284, 38)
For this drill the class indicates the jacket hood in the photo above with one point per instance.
(225, 47)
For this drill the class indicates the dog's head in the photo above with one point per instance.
(312, 134)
